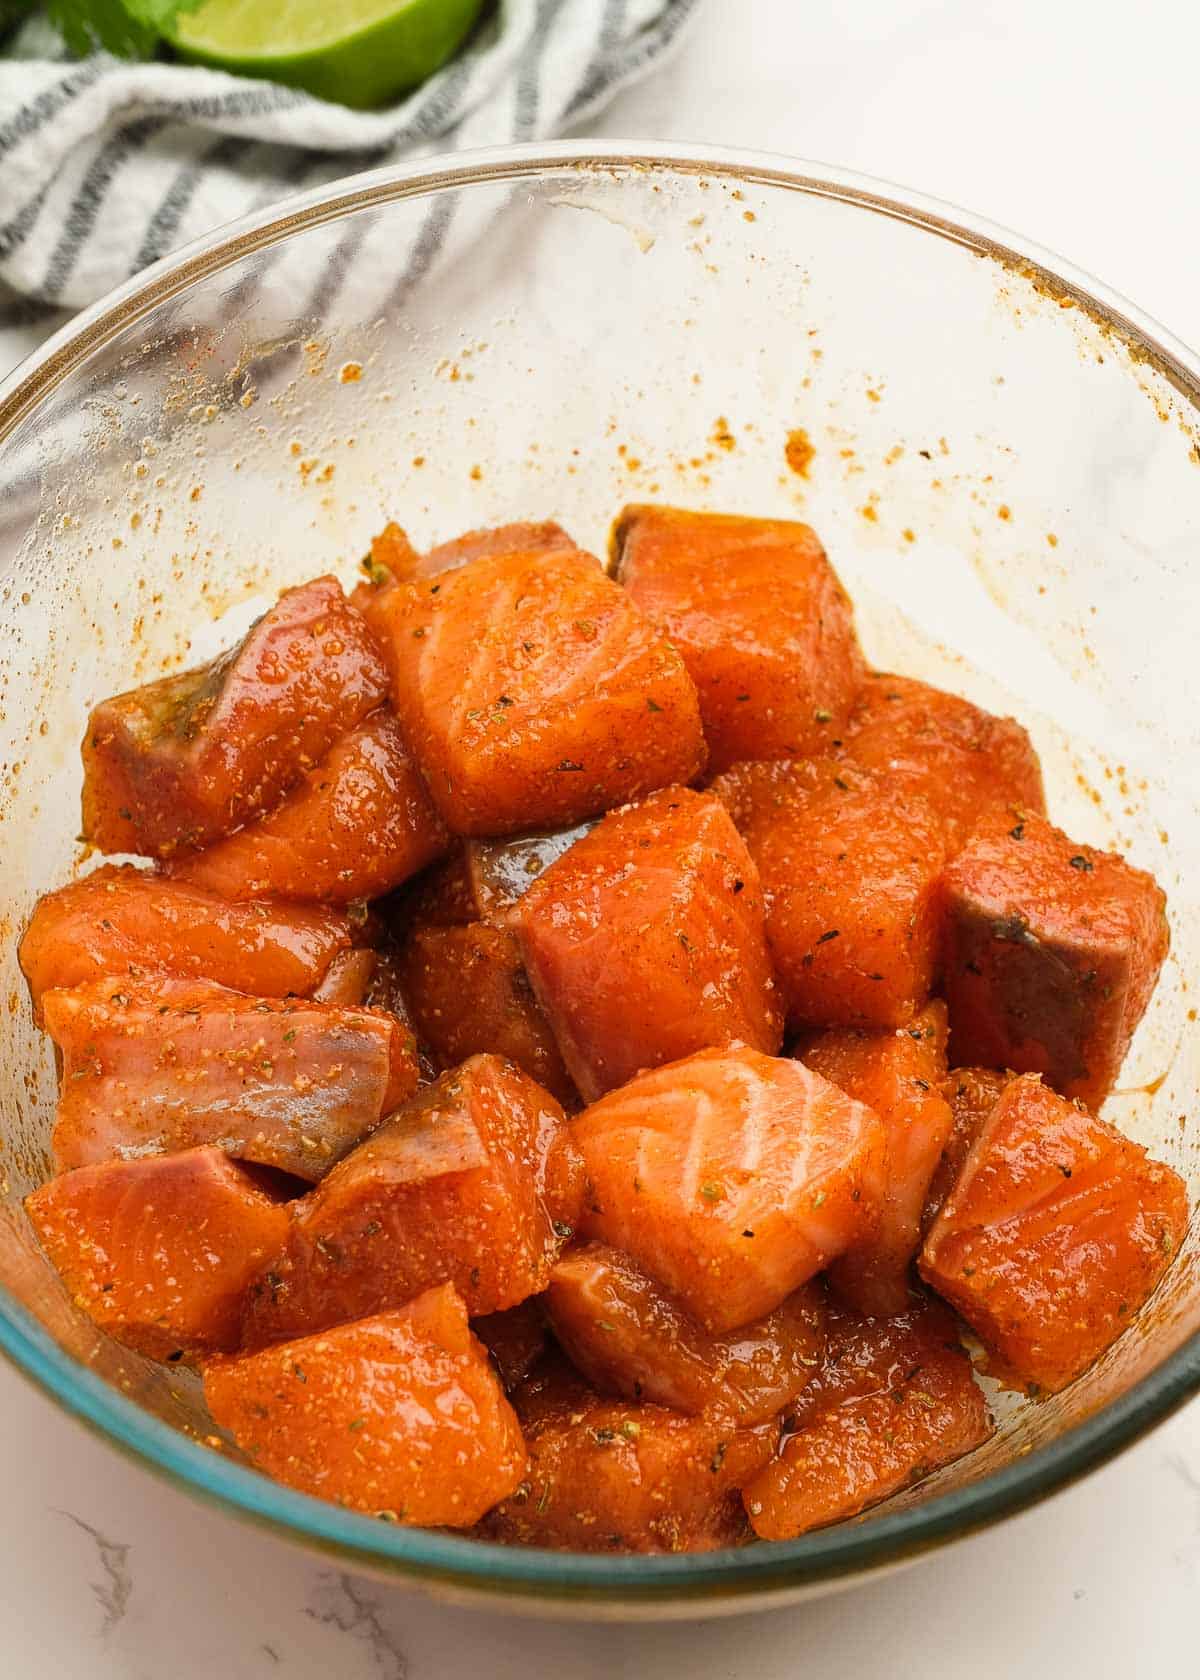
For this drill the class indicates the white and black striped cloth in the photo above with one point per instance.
(107, 165)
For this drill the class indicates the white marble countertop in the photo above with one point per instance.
(1074, 123)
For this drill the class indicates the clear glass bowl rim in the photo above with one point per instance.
(739, 1574)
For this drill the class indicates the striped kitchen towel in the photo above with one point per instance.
(107, 165)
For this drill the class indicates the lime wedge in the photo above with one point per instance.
(354, 52)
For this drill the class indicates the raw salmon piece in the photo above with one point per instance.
(849, 869)
(349, 978)
(515, 1339)
(125, 922)
(963, 761)
(449, 1190)
(904, 1404)
(764, 627)
(160, 1065)
(629, 1337)
(972, 1094)
(605, 1475)
(399, 1415)
(355, 827)
(160, 1252)
(645, 941)
(468, 993)
(731, 1178)
(1057, 1231)
(1052, 951)
(899, 1075)
(184, 760)
(533, 693)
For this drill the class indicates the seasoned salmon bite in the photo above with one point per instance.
(189, 758)
(644, 941)
(159, 1253)
(523, 1080)
(763, 624)
(154, 1066)
(471, 1182)
(124, 923)
(533, 693)
(731, 1178)
(399, 1415)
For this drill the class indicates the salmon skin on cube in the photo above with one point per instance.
(610, 1476)
(629, 1337)
(515, 1339)
(1057, 1231)
(160, 1253)
(358, 825)
(399, 1415)
(123, 922)
(849, 868)
(963, 761)
(533, 693)
(151, 1067)
(764, 626)
(468, 993)
(1051, 953)
(459, 1186)
(899, 1075)
(731, 1178)
(485, 880)
(645, 941)
(182, 761)
(896, 1401)
(972, 1094)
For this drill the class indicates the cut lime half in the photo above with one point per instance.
(353, 52)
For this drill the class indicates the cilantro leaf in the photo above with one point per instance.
(125, 28)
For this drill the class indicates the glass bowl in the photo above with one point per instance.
(1001, 457)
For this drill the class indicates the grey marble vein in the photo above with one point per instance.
(114, 1591)
(351, 1607)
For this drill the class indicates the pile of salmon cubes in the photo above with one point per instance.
(584, 1047)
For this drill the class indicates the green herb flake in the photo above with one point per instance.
(653, 706)
(356, 1424)
(631, 1430)
(712, 1192)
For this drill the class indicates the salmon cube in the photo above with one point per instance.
(122, 922)
(1057, 1231)
(160, 1253)
(468, 992)
(972, 1094)
(849, 868)
(533, 693)
(899, 1075)
(1052, 951)
(184, 760)
(608, 1476)
(629, 1337)
(898, 1401)
(764, 626)
(452, 1189)
(358, 825)
(515, 1339)
(965, 763)
(399, 1415)
(731, 1178)
(645, 941)
(155, 1066)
